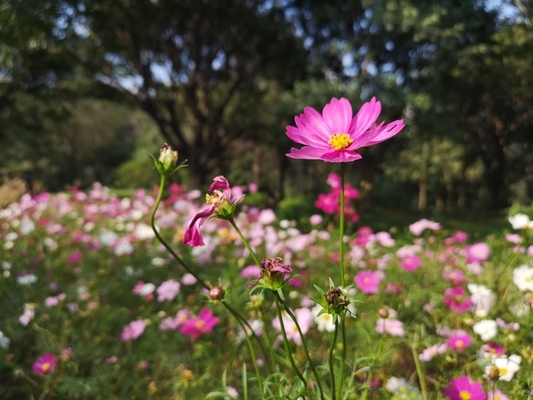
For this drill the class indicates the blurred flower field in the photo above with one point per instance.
(93, 307)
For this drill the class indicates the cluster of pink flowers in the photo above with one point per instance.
(329, 203)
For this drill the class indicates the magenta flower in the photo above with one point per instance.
(336, 135)
(205, 322)
(457, 299)
(368, 281)
(410, 263)
(459, 340)
(220, 201)
(132, 331)
(463, 388)
(45, 364)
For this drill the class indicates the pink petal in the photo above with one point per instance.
(338, 115)
(219, 182)
(365, 117)
(192, 235)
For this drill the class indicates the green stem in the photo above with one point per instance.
(252, 252)
(163, 241)
(286, 341)
(304, 345)
(330, 360)
(244, 325)
(343, 350)
(419, 372)
(343, 279)
(341, 230)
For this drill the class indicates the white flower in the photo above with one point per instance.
(4, 341)
(506, 366)
(27, 279)
(486, 329)
(523, 278)
(394, 384)
(520, 221)
(482, 298)
(325, 321)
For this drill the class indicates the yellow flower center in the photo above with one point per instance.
(340, 141)
(200, 324)
(502, 371)
(464, 395)
(45, 367)
(459, 344)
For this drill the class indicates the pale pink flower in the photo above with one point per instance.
(133, 330)
(429, 353)
(393, 327)
(336, 135)
(168, 290)
(305, 319)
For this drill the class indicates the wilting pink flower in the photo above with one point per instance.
(220, 197)
(205, 322)
(45, 364)
(368, 281)
(132, 331)
(168, 290)
(463, 388)
(393, 327)
(459, 340)
(410, 263)
(336, 135)
(273, 273)
(457, 299)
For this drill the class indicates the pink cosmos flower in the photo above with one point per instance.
(429, 353)
(45, 364)
(455, 276)
(463, 388)
(205, 322)
(168, 290)
(459, 340)
(221, 196)
(393, 327)
(477, 253)
(336, 135)
(133, 330)
(410, 263)
(497, 395)
(457, 299)
(368, 281)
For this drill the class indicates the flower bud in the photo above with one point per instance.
(216, 293)
(168, 158)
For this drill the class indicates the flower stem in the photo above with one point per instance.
(419, 372)
(304, 344)
(252, 252)
(163, 241)
(330, 360)
(286, 341)
(244, 325)
(341, 230)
